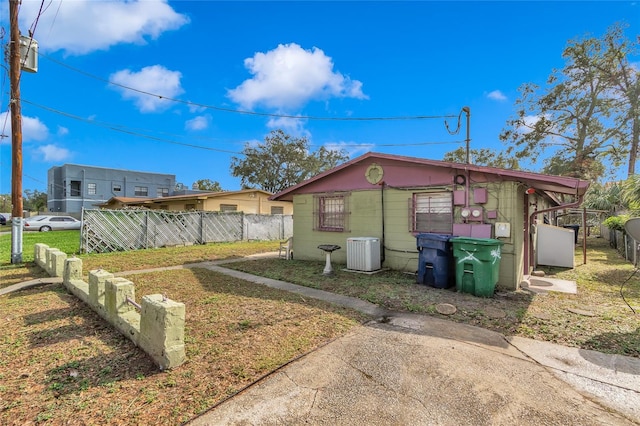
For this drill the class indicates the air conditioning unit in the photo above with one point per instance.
(363, 254)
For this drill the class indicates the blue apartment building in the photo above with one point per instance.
(71, 187)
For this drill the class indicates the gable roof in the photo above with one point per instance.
(542, 182)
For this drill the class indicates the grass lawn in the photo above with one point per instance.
(60, 362)
(610, 327)
(69, 242)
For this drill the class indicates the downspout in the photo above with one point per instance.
(382, 254)
(83, 185)
(529, 262)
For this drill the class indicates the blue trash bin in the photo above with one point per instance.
(435, 265)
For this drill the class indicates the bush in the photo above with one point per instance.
(616, 222)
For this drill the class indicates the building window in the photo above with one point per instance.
(162, 192)
(190, 207)
(228, 207)
(331, 212)
(75, 188)
(92, 188)
(117, 188)
(432, 212)
(277, 210)
(141, 191)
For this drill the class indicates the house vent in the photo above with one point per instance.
(363, 254)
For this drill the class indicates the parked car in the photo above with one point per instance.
(51, 223)
(3, 220)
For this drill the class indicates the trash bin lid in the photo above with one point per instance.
(477, 241)
(433, 237)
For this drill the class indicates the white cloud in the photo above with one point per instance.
(496, 95)
(529, 123)
(82, 26)
(154, 79)
(290, 76)
(194, 109)
(353, 149)
(290, 125)
(52, 153)
(200, 122)
(62, 131)
(32, 128)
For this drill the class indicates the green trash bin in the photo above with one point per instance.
(477, 264)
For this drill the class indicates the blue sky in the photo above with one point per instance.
(329, 60)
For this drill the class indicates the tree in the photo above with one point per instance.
(207, 185)
(483, 157)
(282, 161)
(625, 79)
(604, 197)
(5, 203)
(630, 193)
(576, 113)
(35, 200)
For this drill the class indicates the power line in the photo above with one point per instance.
(135, 132)
(244, 112)
(122, 129)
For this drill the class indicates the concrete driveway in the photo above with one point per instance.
(415, 370)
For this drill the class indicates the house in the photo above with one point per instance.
(251, 201)
(72, 186)
(394, 198)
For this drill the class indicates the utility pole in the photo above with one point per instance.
(16, 135)
(467, 111)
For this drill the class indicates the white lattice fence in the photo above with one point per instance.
(122, 230)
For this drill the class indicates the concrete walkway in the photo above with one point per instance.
(420, 370)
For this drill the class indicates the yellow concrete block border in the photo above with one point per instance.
(156, 325)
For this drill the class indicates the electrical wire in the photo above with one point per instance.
(244, 112)
(134, 131)
(121, 129)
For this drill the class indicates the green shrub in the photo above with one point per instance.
(616, 222)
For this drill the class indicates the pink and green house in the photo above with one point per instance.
(393, 198)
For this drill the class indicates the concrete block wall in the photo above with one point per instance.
(158, 328)
(50, 259)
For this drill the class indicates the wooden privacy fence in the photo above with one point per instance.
(122, 230)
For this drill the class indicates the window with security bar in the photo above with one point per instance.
(331, 213)
(228, 207)
(432, 212)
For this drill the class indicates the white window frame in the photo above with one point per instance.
(141, 191)
(432, 212)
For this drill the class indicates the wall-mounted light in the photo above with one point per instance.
(530, 191)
